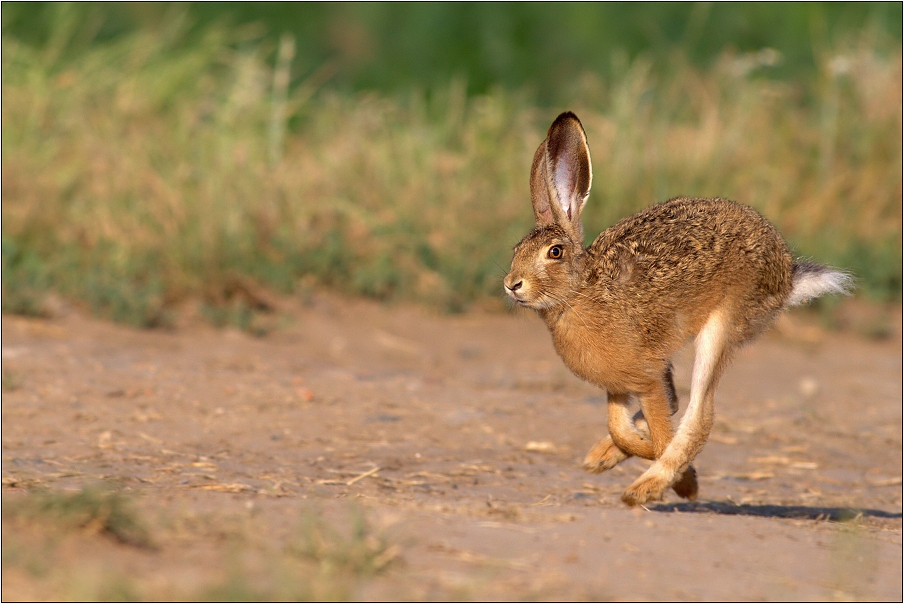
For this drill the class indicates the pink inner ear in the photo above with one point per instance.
(565, 185)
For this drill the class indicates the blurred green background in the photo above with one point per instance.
(156, 155)
(544, 47)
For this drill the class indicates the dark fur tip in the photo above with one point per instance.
(804, 267)
(564, 117)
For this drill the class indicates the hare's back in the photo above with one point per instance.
(686, 247)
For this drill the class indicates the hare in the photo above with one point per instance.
(619, 309)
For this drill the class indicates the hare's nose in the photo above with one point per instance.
(517, 286)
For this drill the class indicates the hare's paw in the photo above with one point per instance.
(686, 487)
(649, 487)
(604, 455)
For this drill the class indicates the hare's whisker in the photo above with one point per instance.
(562, 300)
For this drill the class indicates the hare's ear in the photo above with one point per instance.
(545, 212)
(568, 169)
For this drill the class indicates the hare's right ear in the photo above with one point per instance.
(561, 174)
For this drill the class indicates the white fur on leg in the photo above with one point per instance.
(697, 421)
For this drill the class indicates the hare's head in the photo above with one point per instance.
(548, 262)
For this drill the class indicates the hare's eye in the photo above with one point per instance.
(555, 252)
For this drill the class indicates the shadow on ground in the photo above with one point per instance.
(800, 512)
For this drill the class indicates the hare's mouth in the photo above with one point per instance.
(515, 293)
(521, 300)
(524, 293)
(515, 297)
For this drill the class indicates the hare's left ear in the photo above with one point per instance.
(568, 169)
(546, 209)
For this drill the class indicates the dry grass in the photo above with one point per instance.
(142, 174)
(93, 545)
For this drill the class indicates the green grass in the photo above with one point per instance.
(543, 46)
(94, 509)
(12, 380)
(360, 552)
(142, 172)
(234, 561)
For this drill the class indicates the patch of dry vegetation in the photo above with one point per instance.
(141, 173)
(88, 544)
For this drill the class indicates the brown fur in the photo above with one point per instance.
(620, 309)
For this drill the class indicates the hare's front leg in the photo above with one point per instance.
(658, 403)
(631, 436)
(712, 352)
(606, 454)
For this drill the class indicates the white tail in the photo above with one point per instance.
(810, 280)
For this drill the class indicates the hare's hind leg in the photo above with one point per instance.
(686, 486)
(673, 466)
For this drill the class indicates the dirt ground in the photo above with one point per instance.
(454, 445)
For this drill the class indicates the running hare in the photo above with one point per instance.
(619, 309)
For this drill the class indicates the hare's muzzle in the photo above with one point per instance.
(513, 287)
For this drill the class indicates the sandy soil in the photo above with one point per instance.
(459, 440)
